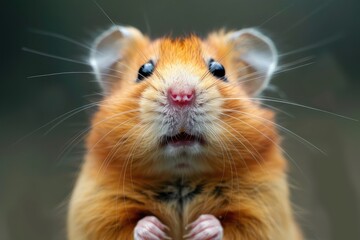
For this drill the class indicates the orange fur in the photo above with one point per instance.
(244, 165)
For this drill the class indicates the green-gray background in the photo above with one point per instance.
(36, 174)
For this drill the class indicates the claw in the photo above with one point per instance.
(150, 228)
(206, 227)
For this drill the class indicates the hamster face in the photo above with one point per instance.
(181, 106)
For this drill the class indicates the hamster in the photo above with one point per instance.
(179, 148)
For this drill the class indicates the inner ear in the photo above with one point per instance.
(258, 52)
(110, 48)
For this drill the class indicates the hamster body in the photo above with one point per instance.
(178, 147)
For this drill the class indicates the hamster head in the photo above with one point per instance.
(183, 105)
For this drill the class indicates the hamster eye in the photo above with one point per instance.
(145, 71)
(217, 69)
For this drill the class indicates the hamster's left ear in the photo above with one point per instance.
(258, 52)
(111, 48)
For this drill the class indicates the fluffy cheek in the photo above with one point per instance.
(151, 112)
(211, 101)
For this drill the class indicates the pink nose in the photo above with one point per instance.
(181, 97)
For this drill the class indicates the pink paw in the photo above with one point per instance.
(150, 228)
(206, 227)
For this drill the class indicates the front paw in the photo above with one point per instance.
(150, 228)
(206, 227)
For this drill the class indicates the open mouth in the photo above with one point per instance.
(182, 139)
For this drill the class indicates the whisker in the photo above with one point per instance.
(62, 58)
(54, 56)
(313, 46)
(115, 147)
(61, 37)
(105, 135)
(147, 23)
(297, 105)
(256, 75)
(298, 137)
(277, 109)
(296, 62)
(267, 137)
(103, 11)
(75, 140)
(130, 158)
(238, 140)
(69, 115)
(230, 160)
(293, 68)
(275, 15)
(307, 17)
(77, 110)
(69, 73)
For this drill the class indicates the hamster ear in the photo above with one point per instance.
(110, 48)
(259, 52)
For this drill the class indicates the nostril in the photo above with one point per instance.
(175, 97)
(181, 97)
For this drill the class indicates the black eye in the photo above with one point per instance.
(217, 69)
(145, 71)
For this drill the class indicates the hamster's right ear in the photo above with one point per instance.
(109, 49)
(253, 48)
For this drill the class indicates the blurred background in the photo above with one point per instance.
(39, 156)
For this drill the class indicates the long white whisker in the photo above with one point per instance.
(103, 11)
(282, 128)
(312, 46)
(116, 145)
(61, 37)
(53, 56)
(63, 58)
(295, 104)
(293, 68)
(267, 137)
(238, 140)
(78, 137)
(307, 17)
(76, 110)
(69, 73)
(275, 15)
